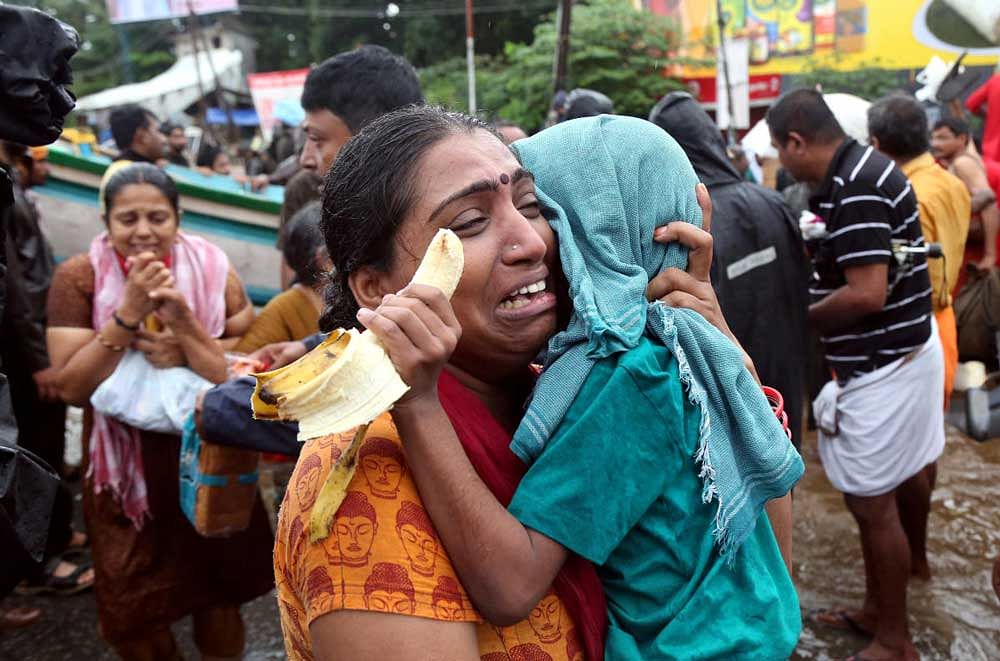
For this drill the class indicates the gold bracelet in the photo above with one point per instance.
(107, 345)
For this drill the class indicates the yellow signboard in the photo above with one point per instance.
(788, 36)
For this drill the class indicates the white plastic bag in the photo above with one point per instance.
(148, 397)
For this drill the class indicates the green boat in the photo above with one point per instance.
(243, 223)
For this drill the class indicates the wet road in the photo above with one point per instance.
(955, 616)
(68, 632)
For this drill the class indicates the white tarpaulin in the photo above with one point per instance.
(737, 59)
(851, 111)
(176, 88)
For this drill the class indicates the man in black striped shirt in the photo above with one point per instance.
(880, 418)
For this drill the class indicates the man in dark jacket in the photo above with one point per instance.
(759, 268)
(31, 261)
(34, 101)
(40, 414)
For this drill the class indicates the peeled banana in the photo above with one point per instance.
(349, 379)
(442, 264)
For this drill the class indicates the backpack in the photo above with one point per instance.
(977, 314)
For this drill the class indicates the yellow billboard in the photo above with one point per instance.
(788, 36)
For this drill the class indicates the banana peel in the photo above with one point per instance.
(334, 489)
(346, 382)
(272, 386)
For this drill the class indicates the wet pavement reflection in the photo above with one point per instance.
(955, 615)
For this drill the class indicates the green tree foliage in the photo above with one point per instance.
(296, 33)
(427, 40)
(614, 49)
(99, 63)
(871, 82)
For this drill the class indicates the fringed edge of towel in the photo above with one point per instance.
(721, 532)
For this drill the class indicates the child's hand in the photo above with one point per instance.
(692, 289)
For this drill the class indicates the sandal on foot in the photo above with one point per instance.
(839, 618)
(49, 583)
(16, 618)
(76, 555)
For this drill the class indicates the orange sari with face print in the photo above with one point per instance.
(384, 555)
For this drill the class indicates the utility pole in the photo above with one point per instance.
(126, 59)
(564, 18)
(196, 37)
(219, 90)
(197, 65)
(723, 61)
(317, 31)
(470, 56)
(193, 29)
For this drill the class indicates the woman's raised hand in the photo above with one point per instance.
(170, 305)
(146, 274)
(419, 331)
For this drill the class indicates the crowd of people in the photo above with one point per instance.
(597, 451)
(137, 134)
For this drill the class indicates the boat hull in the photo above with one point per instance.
(244, 225)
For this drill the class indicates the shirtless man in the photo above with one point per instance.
(950, 144)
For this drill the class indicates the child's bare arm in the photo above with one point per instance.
(779, 513)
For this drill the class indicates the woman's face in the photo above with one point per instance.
(221, 163)
(141, 219)
(473, 185)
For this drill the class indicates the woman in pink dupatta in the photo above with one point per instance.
(146, 285)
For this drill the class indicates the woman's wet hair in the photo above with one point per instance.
(140, 173)
(370, 189)
(302, 240)
(300, 190)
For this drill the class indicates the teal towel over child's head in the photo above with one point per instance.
(608, 182)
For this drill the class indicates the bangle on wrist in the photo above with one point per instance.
(119, 321)
(103, 341)
(777, 403)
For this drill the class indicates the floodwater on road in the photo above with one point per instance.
(955, 615)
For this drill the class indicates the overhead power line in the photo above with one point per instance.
(140, 46)
(345, 12)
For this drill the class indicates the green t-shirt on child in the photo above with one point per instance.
(618, 484)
